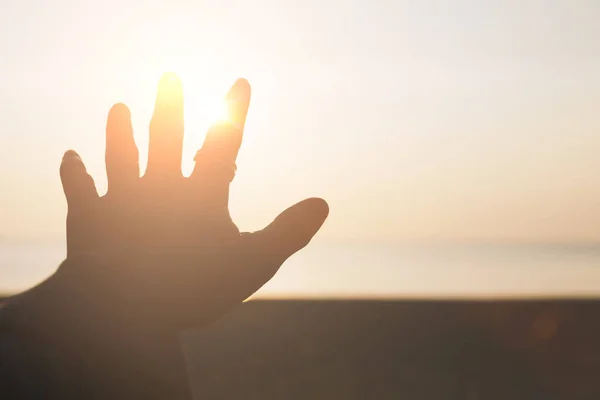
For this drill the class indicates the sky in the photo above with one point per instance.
(415, 120)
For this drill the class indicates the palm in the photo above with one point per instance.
(181, 257)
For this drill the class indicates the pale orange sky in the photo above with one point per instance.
(446, 120)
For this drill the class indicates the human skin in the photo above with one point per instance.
(155, 255)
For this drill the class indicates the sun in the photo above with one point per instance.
(204, 102)
(205, 106)
(216, 111)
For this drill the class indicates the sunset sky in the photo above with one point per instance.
(419, 120)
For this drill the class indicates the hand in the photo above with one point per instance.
(154, 255)
(167, 246)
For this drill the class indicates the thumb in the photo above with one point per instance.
(265, 251)
(291, 231)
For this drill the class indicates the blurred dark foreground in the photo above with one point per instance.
(415, 350)
(399, 350)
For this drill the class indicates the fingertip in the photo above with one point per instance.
(169, 83)
(118, 123)
(240, 91)
(70, 154)
(243, 84)
(169, 98)
(170, 77)
(303, 220)
(309, 214)
(238, 101)
(77, 183)
(119, 119)
(119, 110)
(318, 207)
(71, 161)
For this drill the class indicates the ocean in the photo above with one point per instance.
(326, 270)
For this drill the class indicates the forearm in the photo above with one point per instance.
(32, 370)
(31, 366)
(64, 344)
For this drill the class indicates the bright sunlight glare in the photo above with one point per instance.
(204, 101)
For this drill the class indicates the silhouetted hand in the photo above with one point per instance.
(170, 249)
(155, 255)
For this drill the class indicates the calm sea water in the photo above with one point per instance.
(333, 270)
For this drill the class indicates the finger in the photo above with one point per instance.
(78, 185)
(166, 129)
(223, 140)
(227, 140)
(261, 253)
(121, 152)
(291, 231)
(256, 257)
(237, 101)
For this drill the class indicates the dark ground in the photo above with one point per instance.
(400, 350)
(415, 350)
